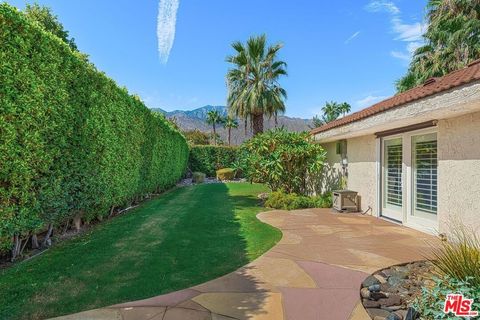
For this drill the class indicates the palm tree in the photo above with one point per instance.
(229, 124)
(214, 117)
(331, 111)
(452, 41)
(344, 108)
(253, 82)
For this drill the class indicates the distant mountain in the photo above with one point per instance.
(196, 119)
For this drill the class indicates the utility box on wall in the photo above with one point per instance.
(345, 200)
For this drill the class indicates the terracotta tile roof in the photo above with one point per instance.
(430, 87)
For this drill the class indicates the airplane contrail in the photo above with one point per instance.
(167, 19)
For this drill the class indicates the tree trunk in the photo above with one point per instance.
(245, 124)
(35, 244)
(257, 123)
(17, 242)
(47, 241)
(214, 134)
(276, 121)
(229, 135)
(77, 222)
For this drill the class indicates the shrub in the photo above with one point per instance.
(198, 177)
(431, 302)
(209, 159)
(292, 201)
(226, 174)
(72, 143)
(196, 137)
(282, 160)
(459, 258)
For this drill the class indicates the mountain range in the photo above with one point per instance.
(196, 119)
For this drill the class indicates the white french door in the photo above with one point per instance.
(392, 198)
(410, 179)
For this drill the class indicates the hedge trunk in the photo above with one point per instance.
(257, 123)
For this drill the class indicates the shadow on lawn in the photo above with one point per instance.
(184, 238)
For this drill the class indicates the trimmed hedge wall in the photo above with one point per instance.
(72, 143)
(208, 159)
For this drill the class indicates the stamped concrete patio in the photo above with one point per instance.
(314, 272)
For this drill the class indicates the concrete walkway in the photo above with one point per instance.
(314, 272)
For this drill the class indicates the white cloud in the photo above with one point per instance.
(408, 53)
(368, 101)
(410, 33)
(353, 36)
(380, 5)
(167, 19)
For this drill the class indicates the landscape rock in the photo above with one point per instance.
(365, 293)
(393, 300)
(393, 316)
(392, 289)
(371, 303)
(373, 312)
(380, 278)
(377, 295)
(370, 281)
(374, 288)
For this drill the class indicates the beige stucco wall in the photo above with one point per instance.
(361, 155)
(333, 169)
(459, 171)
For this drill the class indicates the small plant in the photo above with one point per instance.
(459, 258)
(431, 302)
(226, 174)
(198, 177)
(292, 201)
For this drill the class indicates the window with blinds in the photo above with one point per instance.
(393, 172)
(425, 162)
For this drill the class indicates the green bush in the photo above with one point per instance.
(71, 141)
(198, 177)
(226, 174)
(282, 160)
(209, 158)
(292, 201)
(431, 302)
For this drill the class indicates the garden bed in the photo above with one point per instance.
(388, 293)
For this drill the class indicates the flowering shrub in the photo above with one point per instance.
(282, 160)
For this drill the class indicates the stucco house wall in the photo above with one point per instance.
(361, 166)
(361, 155)
(459, 171)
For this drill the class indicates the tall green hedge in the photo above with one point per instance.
(71, 141)
(208, 159)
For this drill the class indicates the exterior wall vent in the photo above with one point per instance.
(430, 81)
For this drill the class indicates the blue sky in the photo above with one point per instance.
(350, 50)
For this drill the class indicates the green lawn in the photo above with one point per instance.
(185, 237)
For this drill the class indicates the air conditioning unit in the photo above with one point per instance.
(345, 200)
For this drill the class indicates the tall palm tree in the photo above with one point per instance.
(331, 111)
(253, 82)
(452, 41)
(229, 124)
(214, 118)
(344, 108)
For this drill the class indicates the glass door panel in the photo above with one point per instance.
(425, 176)
(392, 179)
